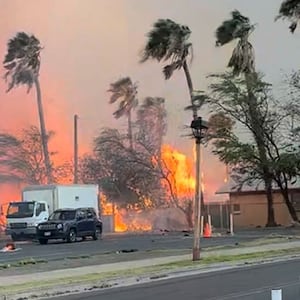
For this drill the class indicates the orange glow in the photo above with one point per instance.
(106, 206)
(126, 221)
(202, 182)
(180, 169)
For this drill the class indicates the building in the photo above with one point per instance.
(249, 204)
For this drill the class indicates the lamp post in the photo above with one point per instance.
(199, 128)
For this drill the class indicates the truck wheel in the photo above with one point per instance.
(71, 238)
(96, 234)
(43, 241)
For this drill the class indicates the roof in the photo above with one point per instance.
(72, 209)
(233, 186)
(54, 186)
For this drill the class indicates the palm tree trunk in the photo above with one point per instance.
(190, 87)
(259, 139)
(198, 204)
(195, 116)
(130, 137)
(44, 137)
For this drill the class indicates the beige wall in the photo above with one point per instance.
(253, 210)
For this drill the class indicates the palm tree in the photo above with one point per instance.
(290, 9)
(151, 119)
(125, 91)
(169, 42)
(242, 62)
(22, 64)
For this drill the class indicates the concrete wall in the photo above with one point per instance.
(253, 210)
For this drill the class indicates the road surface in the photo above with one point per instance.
(249, 283)
(112, 244)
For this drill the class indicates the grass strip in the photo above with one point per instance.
(152, 272)
(22, 263)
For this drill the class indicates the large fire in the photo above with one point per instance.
(180, 169)
(179, 172)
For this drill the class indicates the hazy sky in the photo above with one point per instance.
(88, 44)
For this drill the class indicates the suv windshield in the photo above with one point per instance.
(20, 210)
(63, 215)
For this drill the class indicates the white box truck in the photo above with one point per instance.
(39, 201)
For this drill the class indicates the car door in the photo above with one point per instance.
(91, 221)
(82, 224)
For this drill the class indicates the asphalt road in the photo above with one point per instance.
(141, 242)
(109, 244)
(249, 283)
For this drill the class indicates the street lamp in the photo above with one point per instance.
(199, 128)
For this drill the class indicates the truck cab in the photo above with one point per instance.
(23, 217)
(38, 203)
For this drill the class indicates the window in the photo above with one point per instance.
(63, 215)
(40, 208)
(91, 214)
(80, 214)
(236, 209)
(21, 209)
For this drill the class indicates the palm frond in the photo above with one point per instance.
(124, 91)
(22, 60)
(120, 112)
(242, 59)
(290, 9)
(169, 69)
(231, 29)
(167, 40)
(120, 84)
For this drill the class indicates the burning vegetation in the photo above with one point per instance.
(177, 188)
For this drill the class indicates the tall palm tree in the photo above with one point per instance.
(151, 118)
(290, 9)
(22, 64)
(242, 62)
(168, 41)
(124, 91)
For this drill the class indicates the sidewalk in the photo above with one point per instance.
(121, 266)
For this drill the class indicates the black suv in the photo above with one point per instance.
(68, 224)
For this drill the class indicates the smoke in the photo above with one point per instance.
(87, 45)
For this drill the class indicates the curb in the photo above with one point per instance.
(142, 263)
(123, 281)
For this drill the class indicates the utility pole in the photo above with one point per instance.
(75, 149)
(198, 128)
(197, 205)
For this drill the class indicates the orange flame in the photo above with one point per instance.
(180, 169)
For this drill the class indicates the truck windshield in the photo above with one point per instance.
(62, 215)
(20, 210)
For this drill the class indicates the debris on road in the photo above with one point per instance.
(10, 247)
(127, 251)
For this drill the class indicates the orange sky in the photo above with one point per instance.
(89, 44)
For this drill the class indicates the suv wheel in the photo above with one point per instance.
(71, 238)
(43, 241)
(97, 234)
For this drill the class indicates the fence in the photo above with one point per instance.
(219, 213)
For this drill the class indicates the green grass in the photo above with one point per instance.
(154, 272)
(22, 263)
